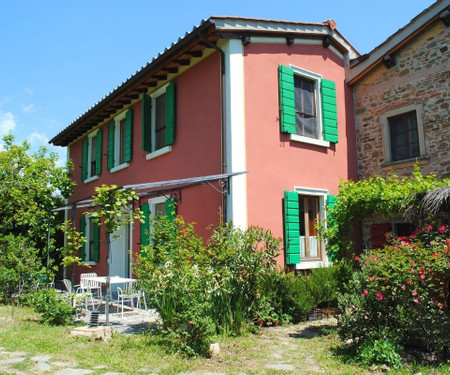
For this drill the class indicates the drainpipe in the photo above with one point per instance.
(223, 150)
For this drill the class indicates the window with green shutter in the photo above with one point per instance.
(291, 228)
(92, 155)
(120, 141)
(158, 120)
(145, 225)
(307, 105)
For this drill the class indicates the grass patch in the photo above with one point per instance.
(304, 348)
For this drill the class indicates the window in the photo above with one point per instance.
(307, 106)
(403, 136)
(120, 141)
(154, 207)
(158, 121)
(309, 216)
(303, 212)
(92, 156)
(89, 253)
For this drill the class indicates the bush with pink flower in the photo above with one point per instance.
(400, 293)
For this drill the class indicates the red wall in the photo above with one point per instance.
(271, 153)
(196, 152)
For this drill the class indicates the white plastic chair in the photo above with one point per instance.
(124, 296)
(91, 285)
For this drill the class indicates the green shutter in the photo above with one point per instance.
(111, 136)
(84, 159)
(291, 227)
(287, 99)
(128, 136)
(96, 238)
(99, 154)
(170, 114)
(170, 209)
(145, 226)
(329, 110)
(146, 123)
(83, 233)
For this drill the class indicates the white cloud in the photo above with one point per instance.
(29, 91)
(7, 123)
(37, 139)
(30, 108)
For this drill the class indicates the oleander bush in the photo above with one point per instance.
(400, 294)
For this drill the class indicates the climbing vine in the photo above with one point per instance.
(376, 195)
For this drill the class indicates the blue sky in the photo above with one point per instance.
(60, 57)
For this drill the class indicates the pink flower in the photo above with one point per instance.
(429, 227)
(436, 255)
(422, 276)
(441, 229)
(420, 271)
(356, 258)
(403, 287)
(395, 247)
(365, 292)
(409, 282)
(380, 296)
(416, 300)
(414, 292)
(410, 270)
(412, 263)
(441, 307)
(412, 236)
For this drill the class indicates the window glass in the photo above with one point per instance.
(160, 122)
(92, 156)
(305, 107)
(160, 208)
(404, 138)
(309, 212)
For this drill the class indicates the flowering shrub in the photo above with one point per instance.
(400, 293)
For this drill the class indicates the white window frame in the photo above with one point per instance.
(89, 236)
(118, 143)
(303, 73)
(152, 202)
(163, 150)
(89, 158)
(384, 119)
(322, 195)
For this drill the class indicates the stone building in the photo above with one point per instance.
(401, 100)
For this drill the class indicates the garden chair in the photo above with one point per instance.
(92, 286)
(123, 296)
(79, 293)
(136, 294)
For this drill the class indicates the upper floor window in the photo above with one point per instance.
(120, 141)
(307, 106)
(403, 136)
(92, 156)
(158, 119)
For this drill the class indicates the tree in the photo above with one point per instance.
(31, 185)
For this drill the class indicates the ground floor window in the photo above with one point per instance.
(309, 217)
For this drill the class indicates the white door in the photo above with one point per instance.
(120, 252)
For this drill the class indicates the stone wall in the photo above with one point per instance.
(421, 76)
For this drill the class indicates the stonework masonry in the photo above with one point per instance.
(421, 76)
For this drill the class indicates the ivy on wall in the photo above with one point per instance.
(376, 195)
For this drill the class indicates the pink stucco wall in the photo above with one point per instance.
(196, 152)
(274, 162)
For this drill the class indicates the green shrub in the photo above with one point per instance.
(55, 309)
(19, 262)
(380, 352)
(400, 293)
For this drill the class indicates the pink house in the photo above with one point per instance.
(264, 97)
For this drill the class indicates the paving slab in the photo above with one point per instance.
(41, 358)
(11, 361)
(74, 371)
(42, 367)
(280, 366)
